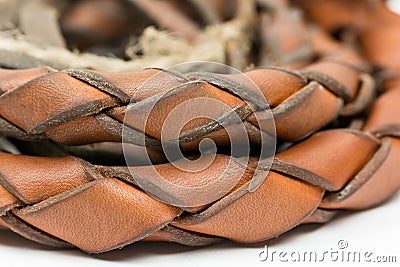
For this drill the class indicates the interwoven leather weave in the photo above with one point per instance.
(339, 113)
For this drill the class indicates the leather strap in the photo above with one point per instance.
(59, 200)
(84, 106)
(339, 147)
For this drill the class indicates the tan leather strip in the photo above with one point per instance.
(10, 79)
(70, 99)
(340, 79)
(338, 148)
(83, 130)
(20, 227)
(88, 98)
(385, 111)
(292, 116)
(3, 224)
(244, 221)
(365, 96)
(98, 200)
(7, 201)
(98, 82)
(269, 81)
(330, 149)
(44, 179)
(377, 176)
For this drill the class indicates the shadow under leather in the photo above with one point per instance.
(142, 250)
(343, 215)
(11, 239)
(148, 249)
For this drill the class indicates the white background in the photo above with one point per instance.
(376, 230)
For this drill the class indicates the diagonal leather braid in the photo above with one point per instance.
(84, 106)
(63, 201)
(67, 201)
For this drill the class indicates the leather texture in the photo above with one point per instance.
(339, 138)
(84, 106)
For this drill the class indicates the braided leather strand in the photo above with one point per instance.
(87, 107)
(353, 171)
(334, 113)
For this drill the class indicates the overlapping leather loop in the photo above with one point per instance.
(338, 138)
(92, 93)
(345, 177)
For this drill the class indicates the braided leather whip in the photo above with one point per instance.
(64, 201)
